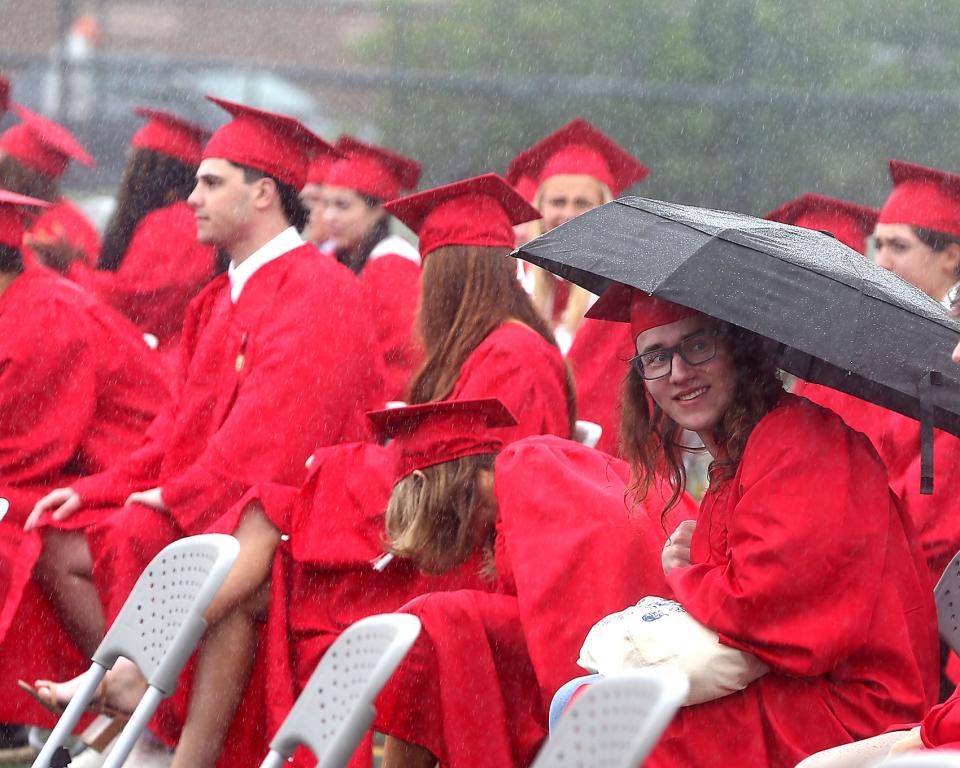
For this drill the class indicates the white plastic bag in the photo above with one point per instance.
(658, 632)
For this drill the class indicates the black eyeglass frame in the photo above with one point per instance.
(636, 362)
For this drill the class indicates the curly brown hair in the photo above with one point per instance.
(651, 442)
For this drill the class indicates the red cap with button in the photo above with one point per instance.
(432, 433)
(376, 171)
(170, 135)
(42, 145)
(478, 211)
(923, 197)
(580, 149)
(13, 216)
(275, 144)
(850, 223)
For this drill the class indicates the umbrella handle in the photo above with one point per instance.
(929, 380)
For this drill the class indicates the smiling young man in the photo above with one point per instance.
(277, 359)
(782, 563)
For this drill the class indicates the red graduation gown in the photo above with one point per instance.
(940, 729)
(598, 359)
(65, 221)
(323, 580)
(78, 388)
(163, 268)
(515, 364)
(287, 368)
(476, 687)
(936, 517)
(805, 560)
(391, 286)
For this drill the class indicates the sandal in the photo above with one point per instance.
(99, 741)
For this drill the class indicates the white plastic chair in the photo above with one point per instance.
(616, 721)
(157, 629)
(335, 709)
(587, 432)
(947, 596)
(926, 759)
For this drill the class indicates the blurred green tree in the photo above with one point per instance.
(734, 104)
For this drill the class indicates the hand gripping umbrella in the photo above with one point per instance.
(834, 317)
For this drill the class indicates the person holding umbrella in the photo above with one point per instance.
(782, 564)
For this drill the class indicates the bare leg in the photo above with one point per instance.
(403, 754)
(228, 651)
(64, 573)
(226, 661)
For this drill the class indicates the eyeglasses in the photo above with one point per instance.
(695, 349)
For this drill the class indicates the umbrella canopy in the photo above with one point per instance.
(836, 318)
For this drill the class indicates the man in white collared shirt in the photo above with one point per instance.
(278, 358)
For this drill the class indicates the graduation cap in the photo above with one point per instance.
(580, 148)
(478, 211)
(518, 176)
(13, 216)
(170, 135)
(43, 145)
(319, 168)
(623, 304)
(371, 170)
(923, 197)
(275, 144)
(849, 222)
(432, 433)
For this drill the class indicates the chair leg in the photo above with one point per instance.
(273, 760)
(138, 722)
(71, 716)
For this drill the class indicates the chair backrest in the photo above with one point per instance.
(616, 721)
(161, 622)
(947, 596)
(587, 432)
(335, 709)
(925, 759)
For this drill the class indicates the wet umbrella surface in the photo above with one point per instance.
(834, 317)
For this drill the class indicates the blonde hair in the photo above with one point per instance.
(432, 514)
(545, 283)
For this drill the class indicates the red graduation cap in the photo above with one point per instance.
(319, 168)
(923, 197)
(43, 145)
(371, 170)
(518, 175)
(580, 148)
(170, 135)
(12, 216)
(432, 433)
(4, 94)
(478, 211)
(623, 304)
(849, 222)
(276, 144)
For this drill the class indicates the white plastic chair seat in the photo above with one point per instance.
(947, 596)
(335, 709)
(157, 629)
(616, 721)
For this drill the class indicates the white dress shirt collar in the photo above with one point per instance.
(239, 274)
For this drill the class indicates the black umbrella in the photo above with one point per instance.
(837, 318)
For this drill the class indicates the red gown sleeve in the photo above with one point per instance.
(941, 726)
(795, 487)
(392, 285)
